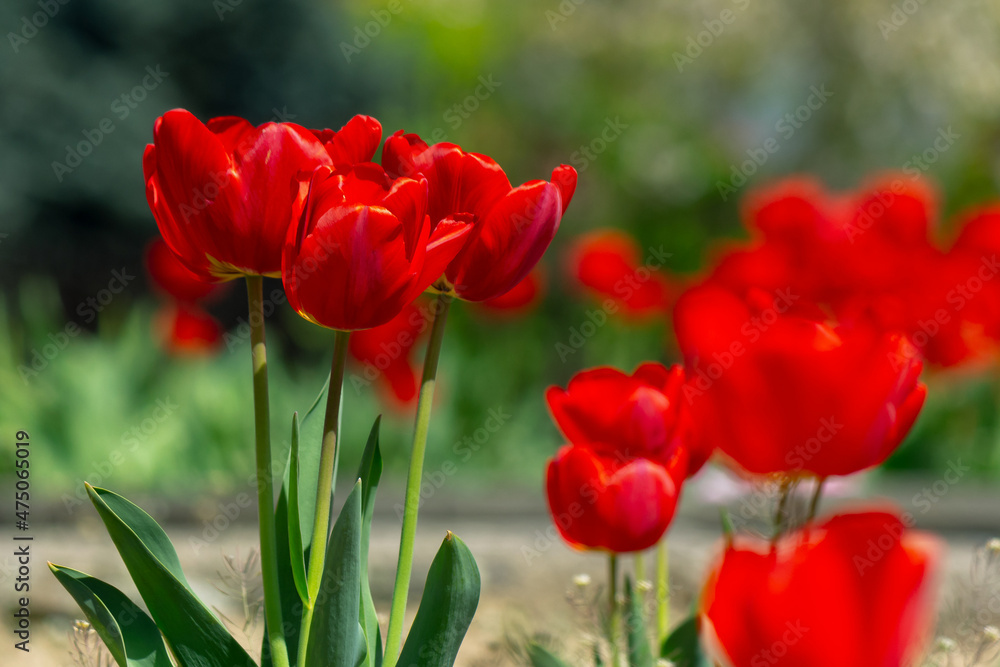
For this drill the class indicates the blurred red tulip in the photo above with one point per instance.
(777, 390)
(511, 227)
(868, 257)
(225, 192)
(608, 264)
(384, 351)
(643, 414)
(363, 249)
(174, 279)
(854, 590)
(187, 330)
(521, 300)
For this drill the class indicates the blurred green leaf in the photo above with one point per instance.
(369, 472)
(639, 652)
(683, 646)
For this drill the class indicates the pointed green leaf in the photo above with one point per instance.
(451, 595)
(127, 631)
(683, 648)
(336, 638)
(297, 557)
(310, 446)
(369, 472)
(639, 652)
(196, 636)
(291, 603)
(539, 656)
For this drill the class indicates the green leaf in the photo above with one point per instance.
(539, 656)
(451, 595)
(336, 638)
(683, 648)
(291, 603)
(639, 652)
(369, 472)
(196, 637)
(109, 611)
(310, 446)
(296, 553)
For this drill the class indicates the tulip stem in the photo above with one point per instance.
(662, 593)
(614, 615)
(324, 491)
(404, 566)
(817, 494)
(781, 515)
(640, 573)
(265, 479)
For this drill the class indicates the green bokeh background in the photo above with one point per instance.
(693, 86)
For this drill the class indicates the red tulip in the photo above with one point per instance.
(608, 264)
(617, 501)
(363, 249)
(512, 227)
(643, 414)
(521, 300)
(855, 590)
(385, 354)
(174, 279)
(187, 330)
(354, 143)
(224, 192)
(782, 391)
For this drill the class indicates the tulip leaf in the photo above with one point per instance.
(194, 634)
(109, 610)
(451, 595)
(639, 652)
(294, 532)
(539, 656)
(369, 472)
(291, 603)
(310, 446)
(682, 647)
(336, 638)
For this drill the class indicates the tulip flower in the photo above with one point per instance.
(363, 248)
(855, 590)
(174, 279)
(385, 354)
(607, 264)
(225, 192)
(187, 330)
(613, 501)
(511, 227)
(643, 414)
(779, 390)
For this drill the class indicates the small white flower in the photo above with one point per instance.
(945, 645)
(992, 633)
(993, 545)
(581, 580)
(663, 662)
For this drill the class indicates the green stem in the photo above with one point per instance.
(404, 567)
(817, 494)
(662, 592)
(324, 490)
(781, 515)
(640, 579)
(614, 615)
(265, 480)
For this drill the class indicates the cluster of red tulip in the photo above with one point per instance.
(802, 354)
(355, 244)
